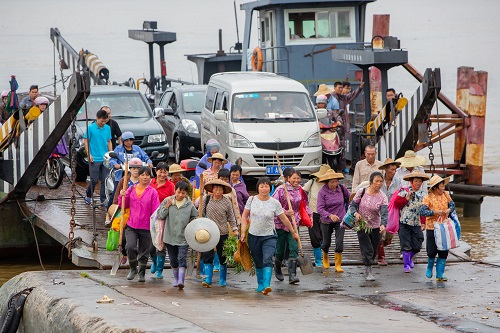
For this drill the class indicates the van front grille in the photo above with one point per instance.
(277, 145)
(288, 160)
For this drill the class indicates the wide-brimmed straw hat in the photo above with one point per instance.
(411, 160)
(331, 174)
(175, 168)
(322, 169)
(112, 210)
(435, 180)
(323, 90)
(209, 186)
(387, 162)
(202, 234)
(217, 156)
(416, 174)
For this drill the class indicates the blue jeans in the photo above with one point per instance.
(177, 255)
(262, 249)
(97, 172)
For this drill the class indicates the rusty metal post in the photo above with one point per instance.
(474, 150)
(380, 28)
(463, 78)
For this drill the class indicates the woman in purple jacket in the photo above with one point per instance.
(143, 201)
(331, 206)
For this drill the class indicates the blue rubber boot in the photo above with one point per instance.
(260, 279)
(153, 264)
(209, 272)
(267, 273)
(430, 267)
(318, 257)
(440, 265)
(222, 275)
(175, 272)
(216, 263)
(160, 263)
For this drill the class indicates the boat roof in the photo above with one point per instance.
(261, 4)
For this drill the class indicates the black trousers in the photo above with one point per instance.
(368, 244)
(410, 237)
(327, 230)
(431, 247)
(139, 244)
(315, 233)
(208, 257)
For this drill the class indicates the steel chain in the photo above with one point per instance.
(72, 222)
(62, 75)
(430, 145)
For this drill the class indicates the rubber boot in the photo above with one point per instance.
(292, 271)
(267, 273)
(133, 270)
(368, 274)
(222, 275)
(142, 272)
(412, 264)
(209, 272)
(216, 263)
(277, 270)
(381, 254)
(440, 265)
(260, 279)
(338, 263)
(175, 272)
(326, 261)
(406, 261)
(153, 264)
(317, 257)
(182, 276)
(160, 263)
(430, 267)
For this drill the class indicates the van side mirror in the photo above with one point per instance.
(321, 113)
(168, 111)
(159, 112)
(220, 115)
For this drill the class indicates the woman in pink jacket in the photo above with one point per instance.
(143, 201)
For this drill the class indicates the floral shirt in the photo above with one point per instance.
(295, 198)
(410, 213)
(433, 202)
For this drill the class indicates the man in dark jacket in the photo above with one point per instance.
(116, 133)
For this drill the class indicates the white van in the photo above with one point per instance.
(253, 115)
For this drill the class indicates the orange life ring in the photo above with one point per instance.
(257, 59)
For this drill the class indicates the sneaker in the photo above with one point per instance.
(382, 262)
(88, 201)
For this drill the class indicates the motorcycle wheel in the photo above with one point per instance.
(54, 173)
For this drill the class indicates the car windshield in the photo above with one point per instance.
(272, 107)
(122, 106)
(193, 101)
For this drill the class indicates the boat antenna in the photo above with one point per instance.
(238, 45)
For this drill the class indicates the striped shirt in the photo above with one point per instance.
(221, 212)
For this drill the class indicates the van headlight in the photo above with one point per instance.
(313, 141)
(190, 126)
(237, 141)
(156, 138)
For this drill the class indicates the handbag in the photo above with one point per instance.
(445, 234)
(454, 217)
(348, 221)
(157, 228)
(305, 219)
(113, 240)
(394, 211)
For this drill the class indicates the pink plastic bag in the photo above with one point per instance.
(393, 211)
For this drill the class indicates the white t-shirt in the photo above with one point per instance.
(262, 215)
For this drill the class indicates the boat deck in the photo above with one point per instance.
(53, 216)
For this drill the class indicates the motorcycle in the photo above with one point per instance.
(330, 140)
(53, 170)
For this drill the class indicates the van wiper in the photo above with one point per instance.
(298, 120)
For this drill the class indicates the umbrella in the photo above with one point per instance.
(13, 100)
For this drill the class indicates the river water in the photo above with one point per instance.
(445, 34)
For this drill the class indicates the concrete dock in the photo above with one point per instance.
(65, 301)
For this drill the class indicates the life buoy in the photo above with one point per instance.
(257, 59)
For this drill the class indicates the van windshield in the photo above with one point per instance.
(272, 107)
(122, 106)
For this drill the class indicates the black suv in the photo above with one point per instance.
(131, 110)
(179, 113)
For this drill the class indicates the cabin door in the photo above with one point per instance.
(268, 40)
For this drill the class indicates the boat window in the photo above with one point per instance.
(306, 26)
(272, 107)
(123, 105)
(193, 101)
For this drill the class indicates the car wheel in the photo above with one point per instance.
(177, 150)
